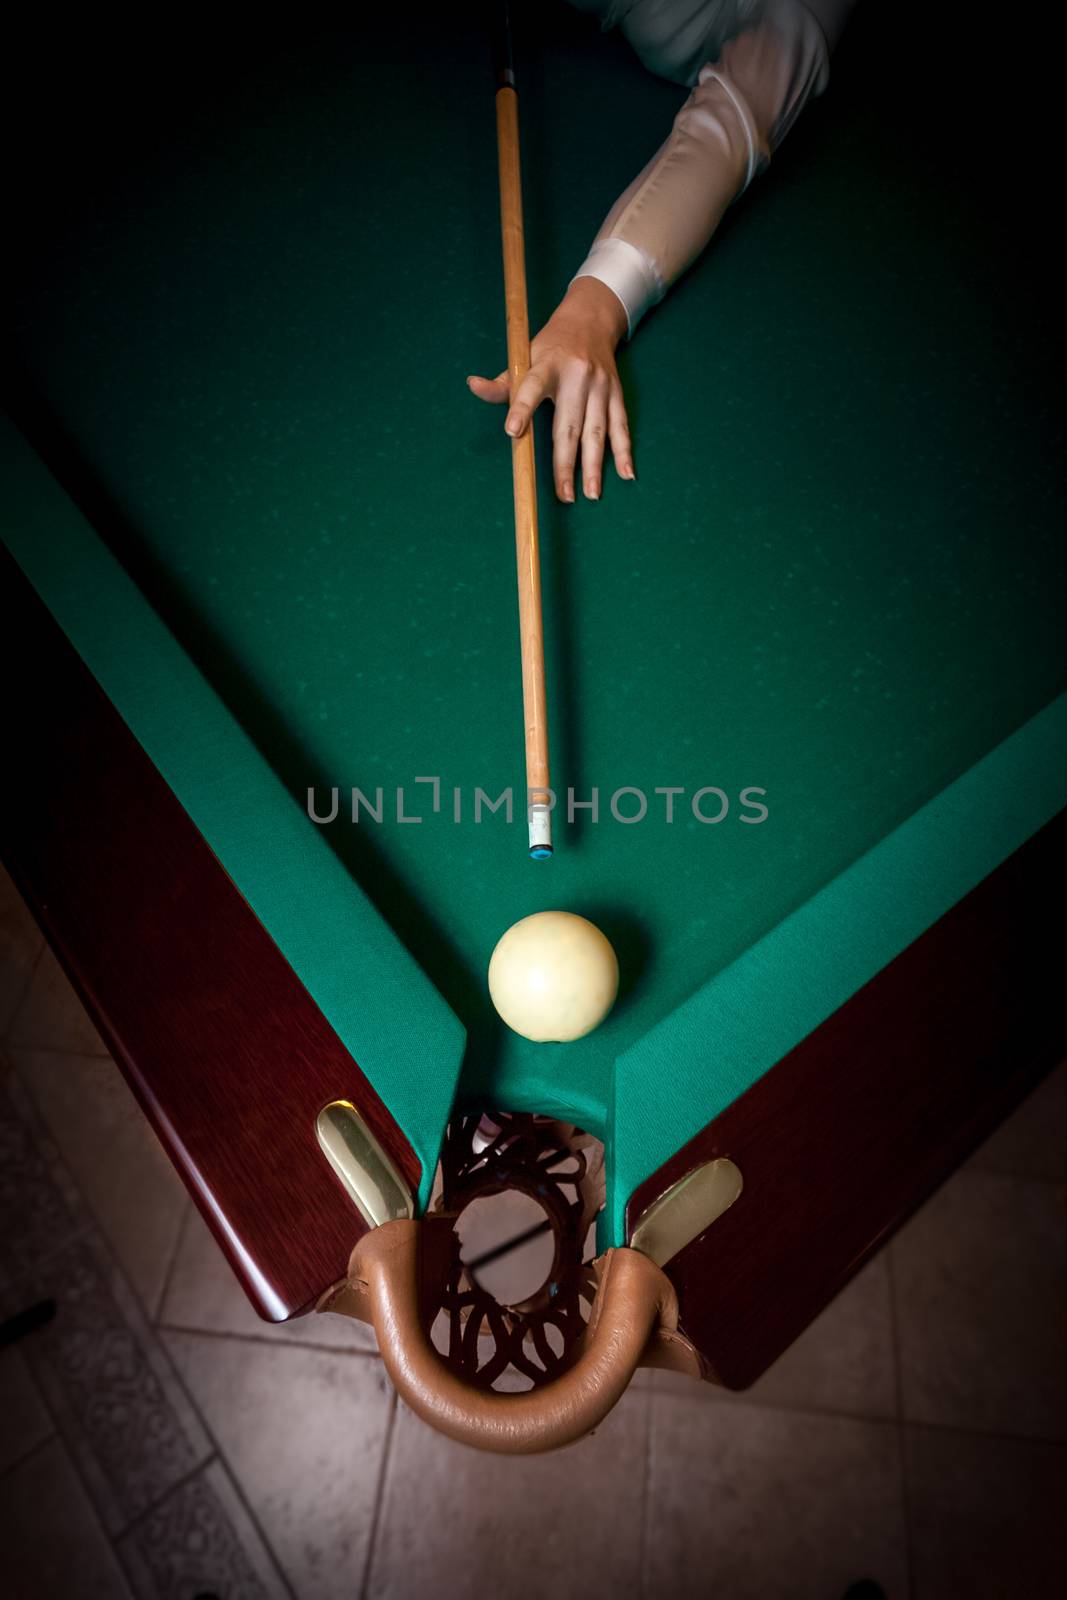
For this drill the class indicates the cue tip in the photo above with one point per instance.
(540, 852)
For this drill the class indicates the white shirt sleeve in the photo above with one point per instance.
(741, 109)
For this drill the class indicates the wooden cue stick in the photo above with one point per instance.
(527, 551)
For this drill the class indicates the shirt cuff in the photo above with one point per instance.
(628, 273)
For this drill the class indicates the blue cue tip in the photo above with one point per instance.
(540, 852)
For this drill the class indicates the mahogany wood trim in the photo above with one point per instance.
(226, 1051)
(857, 1125)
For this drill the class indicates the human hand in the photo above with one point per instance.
(572, 362)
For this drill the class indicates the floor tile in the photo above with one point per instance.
(304, 1433)
(40, 1209)
(463, 1523)
(748, 1501)
(25, 1422)
(493, 1222)
(20, 946)
(51, 1017)
(986, 1516)
(980, 1279)
(51, 1535)
(204, 1296)
(843, 1363)
(121, 1169)
(1032, 1143)
(116, 1401)
(200, 1540)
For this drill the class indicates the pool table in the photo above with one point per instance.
(262, 659)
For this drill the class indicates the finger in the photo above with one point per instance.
(533, 389)
(619, 433)
(567, 432)
(494, 390)
(594, 434)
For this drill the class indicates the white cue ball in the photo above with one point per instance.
(553, 976)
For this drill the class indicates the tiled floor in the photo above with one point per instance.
(157, 1440)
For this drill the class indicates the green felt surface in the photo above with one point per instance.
(839, 576)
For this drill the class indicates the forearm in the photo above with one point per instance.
(740, 110)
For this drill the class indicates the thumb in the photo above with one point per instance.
(495, 390)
